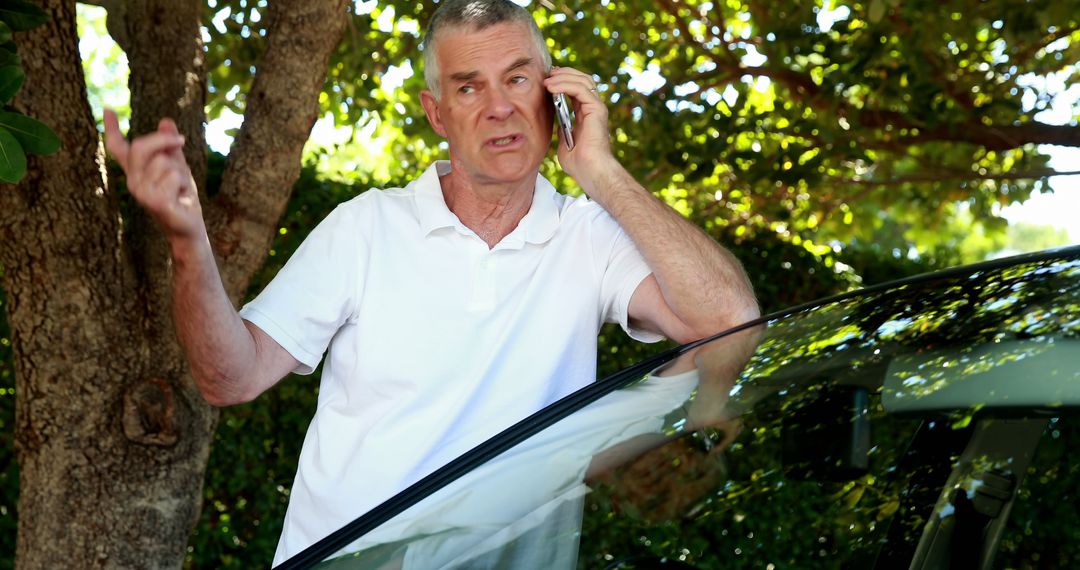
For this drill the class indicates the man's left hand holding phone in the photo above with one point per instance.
(583, 127)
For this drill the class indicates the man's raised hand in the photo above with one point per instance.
(158, 176)
(591, 162)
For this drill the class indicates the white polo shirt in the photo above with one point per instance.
(436, 342)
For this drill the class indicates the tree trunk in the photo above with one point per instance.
(111, 440)
(111, 435)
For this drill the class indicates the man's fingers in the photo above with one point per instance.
(134, 155)
(167, 125)
(571, 75)
(157, 166)
(576, 85)
(115, 142)
(145, 147)
(169, 181)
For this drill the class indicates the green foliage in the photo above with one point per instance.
(21, 16)
(1032, 237)
(12, 157)
(18, 134)
(252, 464)
(33, 135)
(11, 79)
(815, 133)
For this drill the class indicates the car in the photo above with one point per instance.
(923, 423)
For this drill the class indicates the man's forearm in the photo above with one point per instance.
(219, 347)
(702, 283)
(229, 361)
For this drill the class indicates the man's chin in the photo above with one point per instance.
(509, 173)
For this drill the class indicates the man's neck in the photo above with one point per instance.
(492, 211)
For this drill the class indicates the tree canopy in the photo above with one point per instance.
(817, 121)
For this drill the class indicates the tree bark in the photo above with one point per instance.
(111, 435)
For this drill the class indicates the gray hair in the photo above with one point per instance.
(477, 14)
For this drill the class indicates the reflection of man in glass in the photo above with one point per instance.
(659, 475)
(523, 509)
(457, 305)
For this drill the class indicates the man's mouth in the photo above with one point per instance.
(504, 141)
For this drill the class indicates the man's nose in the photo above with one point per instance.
(499, 104)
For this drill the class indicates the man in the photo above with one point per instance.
(455, 306)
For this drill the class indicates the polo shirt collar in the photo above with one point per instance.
(431, 207)
(538, 225)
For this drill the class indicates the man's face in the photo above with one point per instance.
(494, 109)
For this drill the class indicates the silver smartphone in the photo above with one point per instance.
(562, 113)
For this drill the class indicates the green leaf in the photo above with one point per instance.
(12, 158)
(21, 16)
(8, 57)
(5, 33)
(11, 80)
(34, 136)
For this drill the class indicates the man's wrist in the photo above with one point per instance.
(604, 178)
(189, 246)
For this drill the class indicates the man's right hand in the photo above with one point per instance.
(158, 176)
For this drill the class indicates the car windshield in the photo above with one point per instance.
(821, 437)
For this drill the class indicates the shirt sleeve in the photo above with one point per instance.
(624, 271)
(315, 293)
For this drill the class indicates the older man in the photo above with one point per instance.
(457, 305)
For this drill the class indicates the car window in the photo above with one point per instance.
(839, 435)
(1043, 530)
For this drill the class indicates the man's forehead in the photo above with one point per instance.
(499, 47)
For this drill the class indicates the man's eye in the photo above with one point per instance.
(466, 89)
(517, 79)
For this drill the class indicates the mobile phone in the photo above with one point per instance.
(562, 113)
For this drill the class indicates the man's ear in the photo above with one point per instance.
(431, 109)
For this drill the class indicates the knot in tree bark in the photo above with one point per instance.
(148, 413)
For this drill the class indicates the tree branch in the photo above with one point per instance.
(958, 176)
(265, 159)
(116, 22)
(991, 137)
(972, 131)
(1029, 51)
